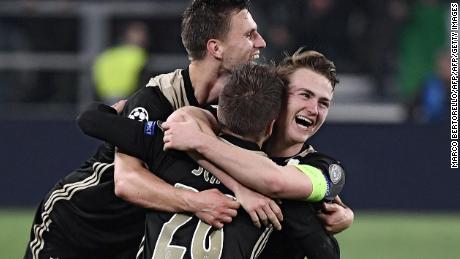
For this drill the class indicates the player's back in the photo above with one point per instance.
(81, 215)
(180, 235)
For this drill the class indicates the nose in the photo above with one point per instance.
(260, 42)
(312, 108)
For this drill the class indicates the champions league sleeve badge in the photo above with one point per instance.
(139, 114)
(336, 173)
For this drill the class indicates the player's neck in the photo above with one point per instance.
(278, 147)
(207, 80)
(257, 141)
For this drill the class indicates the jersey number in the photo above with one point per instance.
(164, 249)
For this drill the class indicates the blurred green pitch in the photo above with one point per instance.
(372, 236)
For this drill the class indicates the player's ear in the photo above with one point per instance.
(215, 48)
(269, 129)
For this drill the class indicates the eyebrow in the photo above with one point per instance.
(313, 94)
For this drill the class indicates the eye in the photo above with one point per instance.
(306, 95)
(251, 34)
(324, 104)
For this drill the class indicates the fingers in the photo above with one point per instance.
(323, 217)
(166, 125)
(262, 216)
(226, 219)
(277, 210)
(233, 204)
(231, 212)
(336, 218)
(274, 218)
(330, 207)
(118, 106)
(217, 224)
(339, 201)
(167, 142)
(217, 219)
(255, 219)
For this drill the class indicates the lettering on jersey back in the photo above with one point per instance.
(207, 176)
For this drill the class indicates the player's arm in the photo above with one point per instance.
(199, 119)
(261, 209)
(134, 183)
(102, 122)
(252, 170)
(336, 216)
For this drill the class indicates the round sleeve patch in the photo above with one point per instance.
(139, 114)
(335, 173)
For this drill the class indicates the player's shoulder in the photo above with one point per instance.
(145, 94)
(146, 104)
(165, 81)
(318, 156)
(309, 154)
(323, 162)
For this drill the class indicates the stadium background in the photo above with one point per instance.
(399, 179)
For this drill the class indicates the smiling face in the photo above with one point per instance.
(243, 42)
(309, 97)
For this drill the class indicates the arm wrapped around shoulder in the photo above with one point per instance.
(332, 170)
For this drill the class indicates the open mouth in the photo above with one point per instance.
(303, 121)
(255, 56)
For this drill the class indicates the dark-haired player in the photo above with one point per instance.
(319, 176)
(312, 79)
(81, 217)
(179, 235)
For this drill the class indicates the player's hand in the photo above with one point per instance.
(182, 136)
(178, 116)
(214, 208)
(336, 217)
(261, 209)
(118, 106)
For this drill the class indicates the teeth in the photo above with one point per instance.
(255, 56)
(307, 121)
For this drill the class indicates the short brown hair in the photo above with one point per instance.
(251, 99)
(312, 60)
(207, 19)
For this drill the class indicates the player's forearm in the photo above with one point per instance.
(90, 119)
(224, 178)
(101, 121)
(255, 171)
(139, 186)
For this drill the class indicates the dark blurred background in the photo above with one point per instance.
(388, 123)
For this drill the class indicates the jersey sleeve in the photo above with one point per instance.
(326, 174)
(134, 137)
(147, 104)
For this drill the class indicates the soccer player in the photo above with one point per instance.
(81, 217)
(311, 83)
(180, 235)
(217, 35)
(302, 223)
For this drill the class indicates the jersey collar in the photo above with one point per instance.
(240, 142)
(306, 148)
(189, 88)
